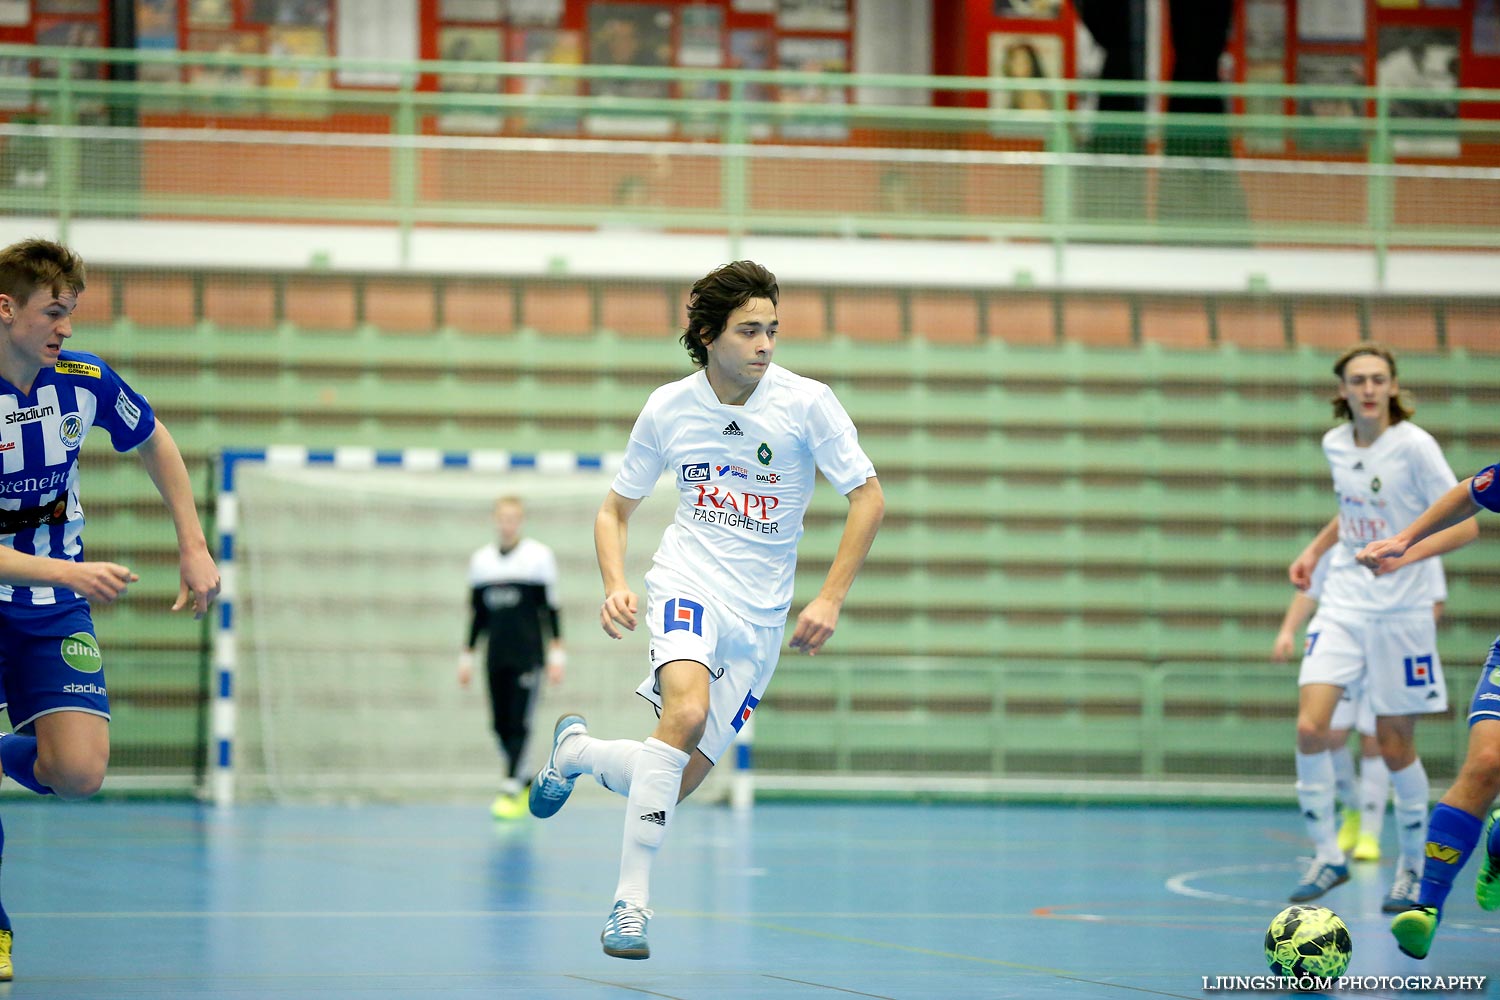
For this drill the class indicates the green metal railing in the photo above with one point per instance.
(81, 145)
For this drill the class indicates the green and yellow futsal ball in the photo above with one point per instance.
(1308, 941)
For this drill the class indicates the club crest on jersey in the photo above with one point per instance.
(683, 615)
(695, 473)
(1484, 480)
(70, 431)
(763, 454)
(747, 707)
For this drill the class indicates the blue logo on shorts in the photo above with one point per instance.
(746, 707)
(683, 614)
(1419, 671)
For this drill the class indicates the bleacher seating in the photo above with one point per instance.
(1091, 498)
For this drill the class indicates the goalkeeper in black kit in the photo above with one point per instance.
(513, 584)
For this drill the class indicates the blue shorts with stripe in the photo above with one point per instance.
(1486, 703)
(50, 662)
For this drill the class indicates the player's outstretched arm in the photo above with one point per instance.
(95, 582)
(1451, 509)
(611, 529)
(817, 621)
(1300, 572)
(199, 576)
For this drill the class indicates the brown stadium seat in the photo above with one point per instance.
(636, 310)
(1257, 323)
(1021, 318)
(159, 300)
(401, 305)
(239, 302)
(320, 303)
(564, 307)
(867, 314)
(1330, 325)
(1098, 321)
(479, 306)
(1175, 323)
(945, 317)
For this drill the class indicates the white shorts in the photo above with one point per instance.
(1354, 711)
(740, 656)
(1392, 656)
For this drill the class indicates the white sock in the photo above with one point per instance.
(648, 810)
(611, 762)
(1315, 798)
(1374, 787)
(1411, 790)
(1343, 775)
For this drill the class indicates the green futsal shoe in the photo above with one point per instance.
(1487, 886)
(1415, 929)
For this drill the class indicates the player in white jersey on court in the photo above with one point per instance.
(51, 666)
(1362, 795)
(743, 439)
(1369, 631)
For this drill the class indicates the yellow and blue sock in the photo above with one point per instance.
(18, 757)
(1451, 836)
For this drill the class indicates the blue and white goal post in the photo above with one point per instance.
(343, 610)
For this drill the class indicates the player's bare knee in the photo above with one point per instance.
(79, 784)
(1481, 771)
(685, 721)
(1312, 735)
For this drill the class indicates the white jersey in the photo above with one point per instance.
(1381, 490)
(744, 475)
(1320, 574)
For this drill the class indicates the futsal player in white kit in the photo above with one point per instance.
(1375, 632)
(743, 439)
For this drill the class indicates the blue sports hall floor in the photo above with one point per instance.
(790, 900)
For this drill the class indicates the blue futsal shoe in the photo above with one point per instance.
(1319, 878)
(551, 789)
(624, 934)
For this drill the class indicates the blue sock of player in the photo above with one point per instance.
(1451, 836)
(4, 917)
(18, 757)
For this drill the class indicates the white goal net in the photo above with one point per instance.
(353, 604)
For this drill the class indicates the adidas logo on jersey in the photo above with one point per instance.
(659, 818)
(1359, 467)
(733, 430)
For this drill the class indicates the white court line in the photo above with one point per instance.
(1179, 885)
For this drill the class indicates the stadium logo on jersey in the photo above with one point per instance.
(1484, 480)
(683, 615)
(746, 708)
(29, 414)
(79, 368)
(738, 472)
(1419, 671)
(128, 411)
(695, 473)
(81, 652)
(70, 432)
(763, 453)
(733, 430)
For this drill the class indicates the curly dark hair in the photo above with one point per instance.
(719, 293)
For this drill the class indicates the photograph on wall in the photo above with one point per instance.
(288, 42)
(753, 6)
(304, 13)
(700, 45)
(67, 7)
(476, 45)
(536, 13)
(813, 55)
(1331, 20)
(210, 13)
(1259, 139)
(15, 13)
(550, 47)
(1033, 9)
(16, 73)
(156, 31)
(383, 30)
(472, 11)
(813, 15)
(622, 34)
(68, 35)
(1265, 29)
(1484, 39)
(1317, 69)
(1024, 57)
(1416, 58)
(752, 48)
(226, 43)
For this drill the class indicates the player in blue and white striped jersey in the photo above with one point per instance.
(1456, 825)
(51, 667)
